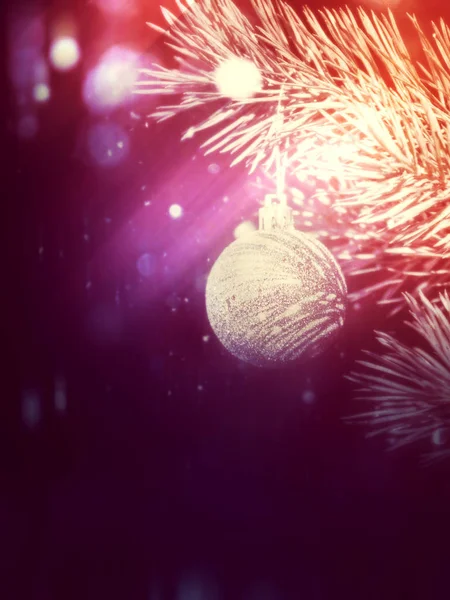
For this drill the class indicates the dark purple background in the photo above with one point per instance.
(146, 480)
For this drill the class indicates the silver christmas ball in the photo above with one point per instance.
(276, 296)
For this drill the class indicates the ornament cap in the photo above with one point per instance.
(275, 217)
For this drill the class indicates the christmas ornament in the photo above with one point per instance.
(276, 294)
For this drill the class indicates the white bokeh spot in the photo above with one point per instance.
(41, 92)
(238, 78)
(64, 53)
(175, 211)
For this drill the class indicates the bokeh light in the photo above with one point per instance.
(146, 264)
(213, 168)
(108, 144)
(31, 408)
(439, 437)
(175, 211)
(41, 92)
(28, 70)
(64, 53)
(111, 83)
(238, 78)
(308, 396)
(26, 42)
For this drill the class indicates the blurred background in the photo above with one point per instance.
(139, 460)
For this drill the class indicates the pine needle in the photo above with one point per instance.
(409, 388)
(336, 73)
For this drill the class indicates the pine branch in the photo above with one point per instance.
(408, 389)
(339, 82)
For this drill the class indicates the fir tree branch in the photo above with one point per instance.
(408, 389)
(339, 80)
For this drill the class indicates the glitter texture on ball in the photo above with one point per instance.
(276, 296)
